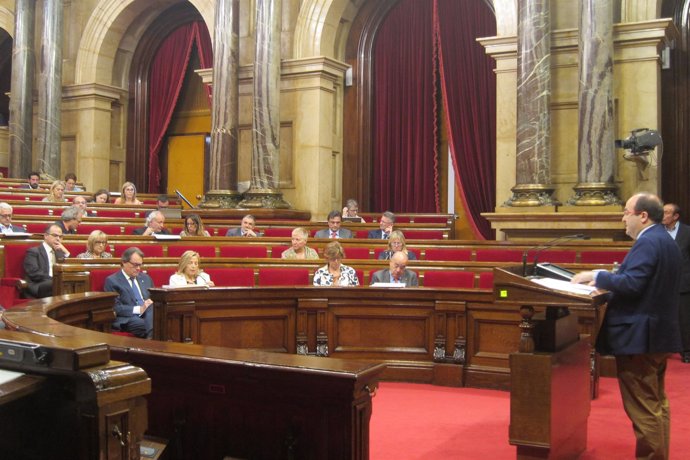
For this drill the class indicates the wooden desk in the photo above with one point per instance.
(211, 402)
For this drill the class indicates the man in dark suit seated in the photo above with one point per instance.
(396, 272)
(155, 224)
(70, 219)
(385, 227)
(246, 228)
(681, 233)
(133, 307)
(34, 181)
(334, 230)
(39, 261)
(640, 326)
(6, 226)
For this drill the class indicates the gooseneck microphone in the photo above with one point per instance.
(549, 244)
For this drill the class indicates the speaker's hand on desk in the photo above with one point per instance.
(583, 278)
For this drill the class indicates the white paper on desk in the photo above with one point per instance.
(391, 285)
(188, 286)
(162, 236)
(8, 376)
(16, 235)
(567, 286)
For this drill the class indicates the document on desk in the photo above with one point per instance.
(8, 376)
(566, 286)
(389, 285)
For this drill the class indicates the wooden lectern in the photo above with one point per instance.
(551, 374)
(72, 401)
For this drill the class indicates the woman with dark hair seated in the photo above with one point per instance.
(193, 226)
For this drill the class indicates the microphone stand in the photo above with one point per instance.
(547, 245)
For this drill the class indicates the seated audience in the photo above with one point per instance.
(335, 273)
(69, 220)
(334, 230)
(132, 304)
(6, 226)
(385, 227)
(96, 246)
(101, 196)
(396, 242)
(39, 261)
(396, 272)
(246, 228)
(71, 183)
(193, 226)
(128, 196)
(80, 202)
(155, 224)
(34, 181)
(351, 209)
(299, 249)
(189, 272)
(56, 192)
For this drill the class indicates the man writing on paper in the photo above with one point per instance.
(640, 327)
(133, 307)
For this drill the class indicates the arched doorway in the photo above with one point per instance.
(138, 165)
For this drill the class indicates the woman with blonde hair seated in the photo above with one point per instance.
(96, 246)
(396, 242)
(193, 226)
(299, 249)
(334, 273)
(189, 272)
(56, 192)
(129, 195)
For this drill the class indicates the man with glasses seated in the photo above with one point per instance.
(385, 227)
(70, 219)
(397, 272)
(39, 262)
(133, 306)
(6, 227)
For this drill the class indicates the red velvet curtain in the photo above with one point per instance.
(417, 39)
(165, 82)
(404, 141)
(469, 91)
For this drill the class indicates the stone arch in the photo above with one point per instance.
(110, 23)
(7, 21)
(320, 22)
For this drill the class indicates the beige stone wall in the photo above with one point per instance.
(102, 36)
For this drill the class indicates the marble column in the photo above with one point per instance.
(21, 89)
(222, 174)
(49, 136)
(264, 189)
(596, 152)
(533, 157)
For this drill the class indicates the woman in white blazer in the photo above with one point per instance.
(189, 272)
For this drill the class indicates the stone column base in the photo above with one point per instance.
(264, 198)
(525, 195)
(595, 194)
(220, 199)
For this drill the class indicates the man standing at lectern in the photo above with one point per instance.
(640, 327)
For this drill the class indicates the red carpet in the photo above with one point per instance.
(427, 422)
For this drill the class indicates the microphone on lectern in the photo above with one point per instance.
(547, 245)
